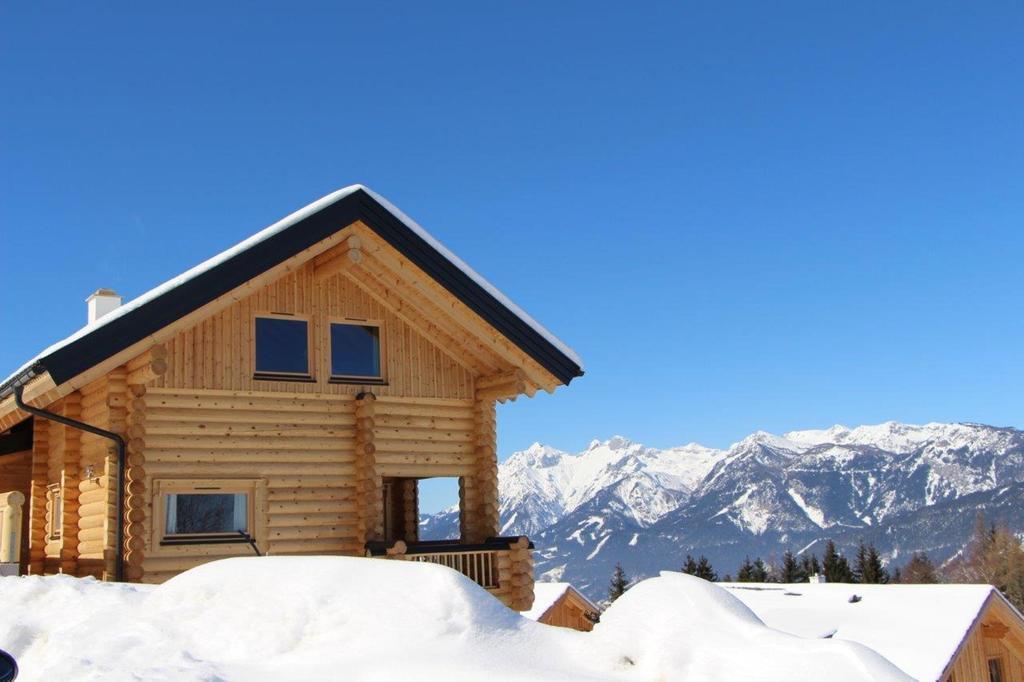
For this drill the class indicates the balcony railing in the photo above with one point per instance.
(501, 565)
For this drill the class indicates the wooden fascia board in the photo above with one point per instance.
(43, 395)
(429, 328)
(419, 285)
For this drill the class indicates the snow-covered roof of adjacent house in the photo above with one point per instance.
(194, 288)
(917, 627)
(546, 594)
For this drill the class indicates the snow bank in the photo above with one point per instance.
(299, 618)
(698, 631)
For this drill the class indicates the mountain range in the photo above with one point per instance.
(902, 487)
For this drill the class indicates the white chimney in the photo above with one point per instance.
(102, 302)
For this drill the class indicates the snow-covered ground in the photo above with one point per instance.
(300, 618)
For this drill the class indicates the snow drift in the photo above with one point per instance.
(294, 618)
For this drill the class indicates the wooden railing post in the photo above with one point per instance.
(522, 574)
(10, 526)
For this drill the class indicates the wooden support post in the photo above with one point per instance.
(478, 493)
(136, 499)
(118, 398)
(522, 575)
(369, 486)
(37, 510)
(410, 510)
(69, 485)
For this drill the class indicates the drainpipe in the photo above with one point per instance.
(118, 443)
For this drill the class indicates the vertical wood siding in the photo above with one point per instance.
(217, 352)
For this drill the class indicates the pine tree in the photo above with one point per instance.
(690, 566)
(810, 565)
(792, 571)
(759, 574)
(919, 569)
(619, 584)
(704, 569)
(861, 563)
(746, 571)
(874, 571)
(835, 566)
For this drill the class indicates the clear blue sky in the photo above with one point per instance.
(743, 217)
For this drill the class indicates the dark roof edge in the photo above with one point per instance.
(71, 359)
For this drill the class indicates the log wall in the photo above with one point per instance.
(301, 449)
(102, 406)
(217, 353)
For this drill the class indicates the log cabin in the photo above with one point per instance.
(283, 397)
(562, 605)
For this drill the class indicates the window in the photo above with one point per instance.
(282, 348)
(995, 670)
(355, 351)
(54, 511)
(204, 511)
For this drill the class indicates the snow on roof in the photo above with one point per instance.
(700, 631)
(281, 225)
(318, 617)
(546, 594)
(476, 277)
(917, 627)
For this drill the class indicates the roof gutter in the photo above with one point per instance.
(21, 378)
(119, 444)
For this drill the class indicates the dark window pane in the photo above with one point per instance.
(355, 350)
(205, 513)
(282, 346)
(995, 670)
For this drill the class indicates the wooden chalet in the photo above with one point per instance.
(562, 605)
(286, 395)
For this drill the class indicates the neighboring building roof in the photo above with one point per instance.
(545, 595)
(917, 627)
(191, 290)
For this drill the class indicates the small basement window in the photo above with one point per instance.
(282, 348)
(201, 511)
(355, 351)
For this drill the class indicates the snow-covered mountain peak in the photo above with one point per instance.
(538, 455)
(770, 440)
(619, 500)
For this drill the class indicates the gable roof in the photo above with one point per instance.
(213, 278)
(919, 628)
